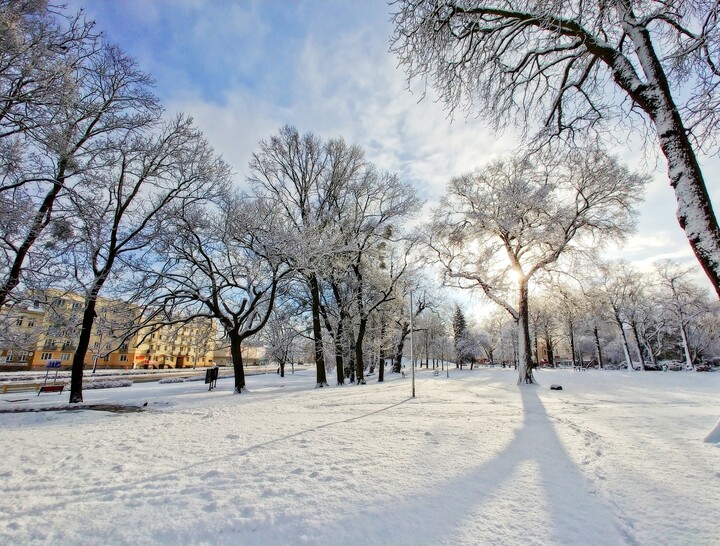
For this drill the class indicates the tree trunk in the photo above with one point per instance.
(650, 352)
(381, 352)
(237, 360)
(339, 335)
(76, 375)
(525, 373)
(694, 212)
(550, 349)
(339, 363)
(694, 209)
(686, 346)
(571, 333)
(351, 358)
(598, 349)
(359, 372)
(40, 222)
(641, 357)
(626, 348)
(321, 376)
(400, 347)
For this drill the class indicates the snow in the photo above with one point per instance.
(614, 458)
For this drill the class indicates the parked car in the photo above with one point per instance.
(674, 366)
(702, 368)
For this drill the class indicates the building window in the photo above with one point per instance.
(19, 322)
(31, 323)
(45, 356)
(9, 357)
(123, 358)
(65, 356)
(22, 356)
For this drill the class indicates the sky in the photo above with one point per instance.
(242, 69)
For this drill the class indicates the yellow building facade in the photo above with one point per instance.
(37, 331)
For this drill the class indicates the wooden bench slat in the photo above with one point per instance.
(51, 388)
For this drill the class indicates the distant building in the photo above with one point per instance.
(252, 356)
(47, 327)
(178, 346)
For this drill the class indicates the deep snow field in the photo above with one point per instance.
(613, 458)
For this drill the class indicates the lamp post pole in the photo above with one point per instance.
(412, 360)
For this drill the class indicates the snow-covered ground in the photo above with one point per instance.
(613, 458)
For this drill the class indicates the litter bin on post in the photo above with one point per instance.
(211, 376)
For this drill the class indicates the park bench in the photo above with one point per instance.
(58, 388)
(19, 387)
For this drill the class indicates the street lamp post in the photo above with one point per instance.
(412, 360)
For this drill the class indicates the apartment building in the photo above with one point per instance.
(177, 346)
(46, 328)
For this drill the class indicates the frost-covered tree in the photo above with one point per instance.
(224, 265)
(66, 98)
(619, 284)
(506, 222)
(281, 333)
(370, 225)
(583, 65)
(126, 200)
(686, 304)
(305, 177)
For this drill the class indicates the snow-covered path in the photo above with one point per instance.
(614, 458)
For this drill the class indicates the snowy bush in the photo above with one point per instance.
(195, 378)
(182, 379)
(172, 380)
(110, 384)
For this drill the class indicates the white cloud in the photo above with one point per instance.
(325, 68)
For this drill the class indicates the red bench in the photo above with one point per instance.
(51, 388)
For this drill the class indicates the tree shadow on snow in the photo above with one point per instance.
(485, 505)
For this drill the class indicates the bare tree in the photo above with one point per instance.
(686, 303)
(513, 219)
(122, 208)
(618, 283)
(376, 251)
(96, 96)
(579, 65)
(226, 266)
(281, 333)
(303, 177)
